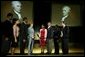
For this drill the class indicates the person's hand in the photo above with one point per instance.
(24, 40)
(45, 39)
(6, 38)
(32, 37)
(61, 34)
(16, 40)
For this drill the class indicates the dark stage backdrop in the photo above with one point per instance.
(42, 14)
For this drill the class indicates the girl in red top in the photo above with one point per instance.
(42, 35)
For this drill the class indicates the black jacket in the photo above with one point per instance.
(65, 32)
(56, 33)
(50, 33)
(7, 29)
(23, 31)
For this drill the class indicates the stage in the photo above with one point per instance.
(74, 50)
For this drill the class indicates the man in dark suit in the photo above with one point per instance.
(49, 38)
(23, 35)
(65, 29)
(56, 36)
(64, 38)
(7, 34)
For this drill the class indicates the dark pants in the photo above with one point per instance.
(64, 46)
(5, 47)
(56, 45)
(22, 47)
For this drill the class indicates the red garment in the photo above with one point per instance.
(42, 37)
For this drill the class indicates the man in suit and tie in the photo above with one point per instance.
(23, 35)
(7, 34)
(49, 38)
(56, 38)
(64, 38)
(65, 29)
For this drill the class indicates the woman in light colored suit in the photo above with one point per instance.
(30, 39)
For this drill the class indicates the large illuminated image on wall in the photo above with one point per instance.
(70, 14)
(19, 9)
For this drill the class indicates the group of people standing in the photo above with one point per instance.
(54, 34)
(16, 33)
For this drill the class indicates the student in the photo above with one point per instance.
(43, 36)
(30, 39)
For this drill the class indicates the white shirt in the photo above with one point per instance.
(49, 26)
(19, 15)
(64, 18)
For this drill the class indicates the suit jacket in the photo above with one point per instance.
(50, 33)
(65, 32)
(56, 33)
(23, 31)
(7, 29)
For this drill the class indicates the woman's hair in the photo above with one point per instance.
(9, 14)
(14, 20)
(43, 25)
(28, 25)
(25, 18)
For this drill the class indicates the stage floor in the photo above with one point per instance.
(74, 50)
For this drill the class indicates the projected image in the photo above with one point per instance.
(19, 9)
(70, 14)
